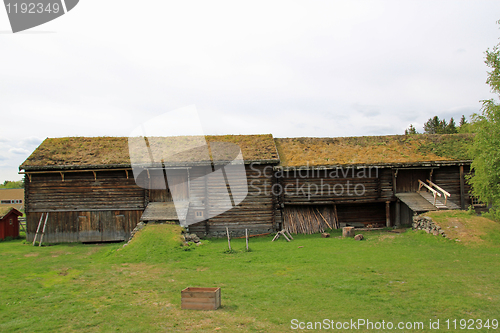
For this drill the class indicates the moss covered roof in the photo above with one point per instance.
(94, 152)
(373, 150)
(81, 152)
(6, 209)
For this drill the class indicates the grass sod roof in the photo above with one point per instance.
(373, 150)
(5, 210)
(107, 152)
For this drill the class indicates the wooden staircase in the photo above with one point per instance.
(432, 194)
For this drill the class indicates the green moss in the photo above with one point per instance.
(452, 146)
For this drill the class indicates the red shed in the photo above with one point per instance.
(9, 223)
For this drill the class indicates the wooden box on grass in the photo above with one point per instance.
(200, 298)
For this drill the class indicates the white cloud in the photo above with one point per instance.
(290, 68)
(19, 151)
(30, 141)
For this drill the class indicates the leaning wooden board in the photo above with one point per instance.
(200, 298)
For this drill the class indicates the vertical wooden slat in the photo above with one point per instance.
(387, 214)
(462, 188)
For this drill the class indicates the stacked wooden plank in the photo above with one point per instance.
(305, 220)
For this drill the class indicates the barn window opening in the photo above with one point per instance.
(199, 214)
(476, 202)
(10, 221)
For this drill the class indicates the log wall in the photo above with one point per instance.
(80, 191)
(83, 207)
(254, 213)
(448, 178)
(330, 187)
(90, 226)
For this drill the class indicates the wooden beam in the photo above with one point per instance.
(462, 188)
(394, 178)
(387, 214)
(398, 213)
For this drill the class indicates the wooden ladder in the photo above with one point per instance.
(38, 229)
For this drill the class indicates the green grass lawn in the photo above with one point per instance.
(397, 277)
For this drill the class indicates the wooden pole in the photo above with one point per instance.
(462, 188)
(398, 213)
(228, 239)
(38, 229)
(337, 223)
(246, 236)
(328, 224)
(387, 214)
(43, 230)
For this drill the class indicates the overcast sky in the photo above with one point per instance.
(333, 68)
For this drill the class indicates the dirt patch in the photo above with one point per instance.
(31, 254)
(461, 227)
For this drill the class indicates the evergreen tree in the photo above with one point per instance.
(411, 130)
(451, 128)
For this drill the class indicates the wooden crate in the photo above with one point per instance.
(200, 298)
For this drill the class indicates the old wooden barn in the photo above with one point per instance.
(370, 181)
(92, 191)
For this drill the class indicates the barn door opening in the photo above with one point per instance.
(407, 180)
(176, 186)
(158, 192)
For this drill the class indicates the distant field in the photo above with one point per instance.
(397, 277)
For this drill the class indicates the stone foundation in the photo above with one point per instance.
(421, 222)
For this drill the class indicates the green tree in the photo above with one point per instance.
(462, 121)
(12, 184)
(410, 130)
(432, 125)
(451, 128)
(485, 149)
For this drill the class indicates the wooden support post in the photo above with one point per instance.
(394, 179)
(246, 236)
(387, 214)
(398, 213)
(462, 188)
(228, 239)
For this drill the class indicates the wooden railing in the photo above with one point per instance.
(446, 194)
(434, 192)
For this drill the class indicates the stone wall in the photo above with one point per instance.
(422, 222)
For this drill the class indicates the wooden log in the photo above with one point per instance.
(348, 232)
(387, 214)
(337, 224)
(462, 188)
(328, 224)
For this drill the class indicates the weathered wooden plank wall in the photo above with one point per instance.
(81, 192)
(324, 187)
(92, 226)
(84, 207)
(255, 213)
(448, 178)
